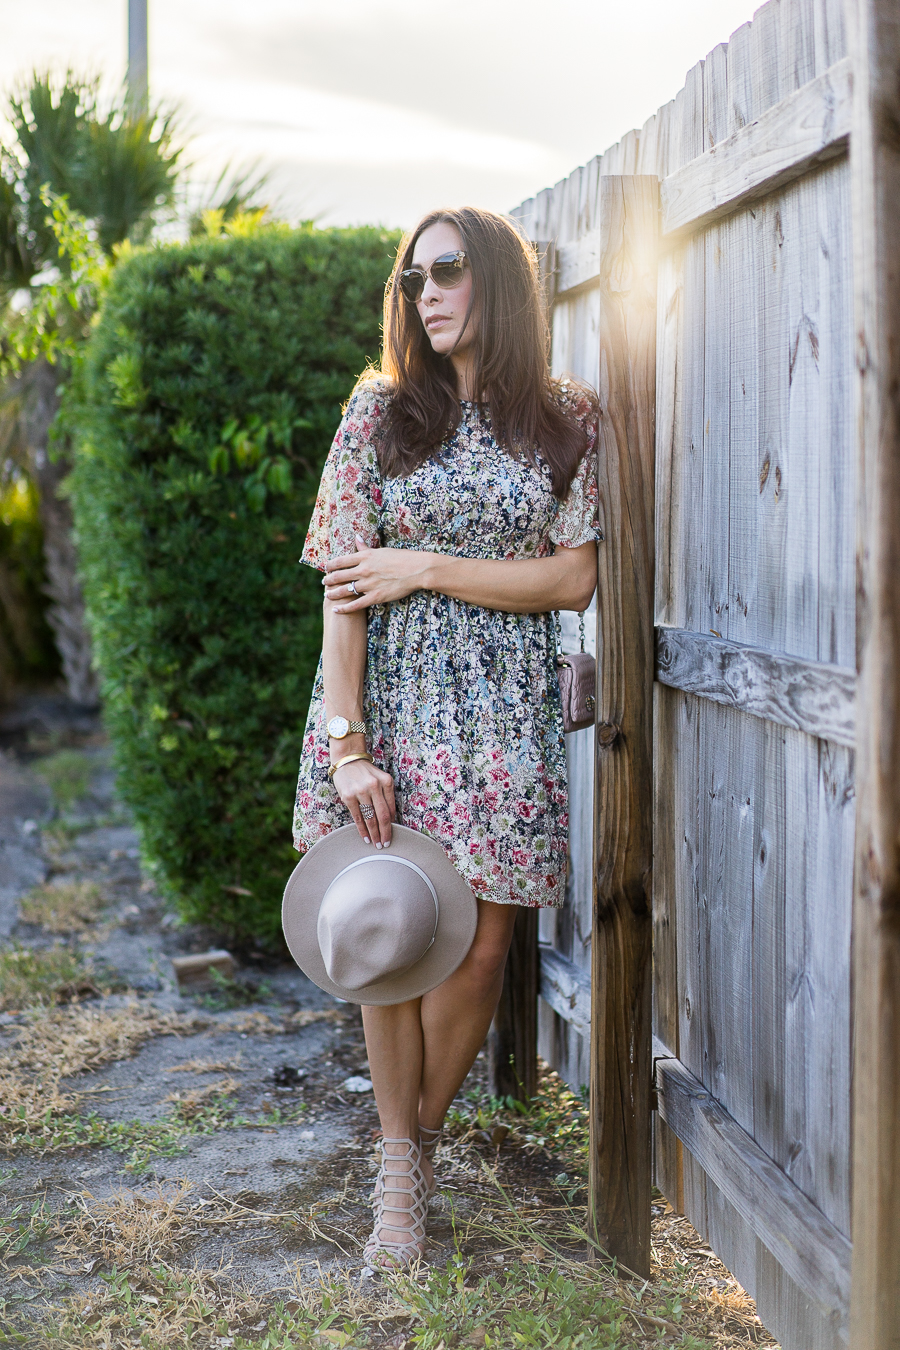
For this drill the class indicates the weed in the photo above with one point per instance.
(41, 976)
(130, 1229)
(63, 907)
(554, 1123)
(227, 993)
(20, 1228)
(189, 1105)
(68, 775)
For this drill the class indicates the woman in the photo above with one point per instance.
(456, 512)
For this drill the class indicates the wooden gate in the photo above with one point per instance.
(729, 274)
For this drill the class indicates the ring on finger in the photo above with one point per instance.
(366, 811)
(351, 587)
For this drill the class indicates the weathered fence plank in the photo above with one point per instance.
(875, 169)
(812, 1251)
(804, 130)
(567, 989)
(805, 695)
(620, 1028)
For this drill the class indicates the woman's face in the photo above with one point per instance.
(443, 313)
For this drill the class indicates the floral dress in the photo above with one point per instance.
(462, 703)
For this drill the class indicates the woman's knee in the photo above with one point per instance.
(487, 955)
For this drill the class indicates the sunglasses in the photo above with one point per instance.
(446, 272)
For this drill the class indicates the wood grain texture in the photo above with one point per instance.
(809, 696)
(875, 167)
(668, 1162)
(620, 1029)
(512, 1041)
(807, 128)
(566, 988)
(808, 1247)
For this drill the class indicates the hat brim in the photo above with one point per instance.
(314, 873)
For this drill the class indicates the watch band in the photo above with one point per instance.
(347, 759)
(358, 727)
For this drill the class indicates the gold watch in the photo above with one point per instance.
(339, 727)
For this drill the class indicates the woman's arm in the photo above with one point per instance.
(521, 586)
(343, 677)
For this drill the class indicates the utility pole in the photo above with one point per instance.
(138, 95)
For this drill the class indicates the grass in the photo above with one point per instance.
(68, 775)
(62, 1042)
(36, 1113)
(63, 907)
(22, 1227)
(539, 1299)
(522, 1273)
(42, 976)
(227, 993)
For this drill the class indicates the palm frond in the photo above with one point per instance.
(235, 192)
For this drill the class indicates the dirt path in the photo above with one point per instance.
(162, 1154)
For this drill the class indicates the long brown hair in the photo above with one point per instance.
(511, 358)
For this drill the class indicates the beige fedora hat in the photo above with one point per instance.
(377, 926)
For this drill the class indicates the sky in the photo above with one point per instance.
(375, 111)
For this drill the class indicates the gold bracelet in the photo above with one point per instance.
(363, 754)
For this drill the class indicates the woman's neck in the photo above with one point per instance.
(464, 369)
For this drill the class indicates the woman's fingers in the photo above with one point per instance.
(361, 825)
(368, 795)
(383, 817)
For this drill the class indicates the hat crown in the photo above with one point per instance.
(378, 917)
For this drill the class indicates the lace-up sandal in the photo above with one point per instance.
(428, 1142)
(407, 1183)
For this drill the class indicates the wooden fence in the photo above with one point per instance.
(729, 278)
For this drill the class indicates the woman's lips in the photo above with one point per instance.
(434, 319)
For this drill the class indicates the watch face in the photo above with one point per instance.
(338, 728)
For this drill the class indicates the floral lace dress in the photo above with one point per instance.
(461, 703)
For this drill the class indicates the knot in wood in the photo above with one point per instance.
(608, 733)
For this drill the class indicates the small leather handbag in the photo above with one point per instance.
(577, 675)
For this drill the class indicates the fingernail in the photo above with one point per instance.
(388, 844)
(378, 846)
(366, 839)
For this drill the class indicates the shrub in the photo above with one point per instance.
(201, 416)
(27, 653)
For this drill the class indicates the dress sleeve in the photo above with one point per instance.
(349, 498)
(576, 520)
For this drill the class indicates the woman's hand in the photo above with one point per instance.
(363, 788)
(379, 575)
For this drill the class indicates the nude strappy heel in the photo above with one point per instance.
(428, 1142)
(410, 1184)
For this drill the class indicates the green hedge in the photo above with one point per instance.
(201, 417)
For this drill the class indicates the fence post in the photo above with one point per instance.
(875, 193)
(512, 1042)
(623, 848)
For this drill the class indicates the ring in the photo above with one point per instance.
(366, 811)
(351, 587)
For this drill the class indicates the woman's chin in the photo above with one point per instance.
(442, 343)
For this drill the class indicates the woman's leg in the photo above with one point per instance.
(394, 1045)
(456, 1016)
(420, 1051)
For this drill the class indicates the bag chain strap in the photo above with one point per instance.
(559, 630)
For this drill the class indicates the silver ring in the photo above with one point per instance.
(351, 587)
(366, 811)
